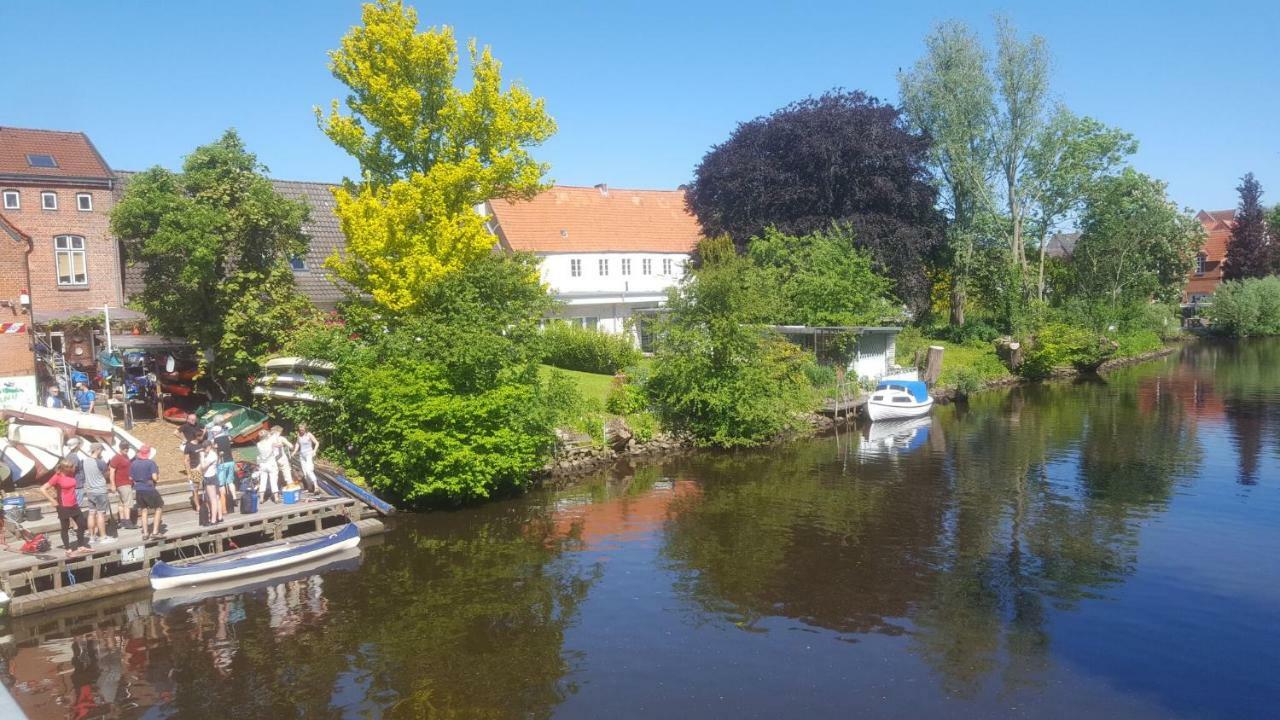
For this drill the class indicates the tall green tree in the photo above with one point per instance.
(1022, 80)
(429, 152)
(215, 242)
(1249, 251)
(1069, 157)
(950, 96)
(1135, 245)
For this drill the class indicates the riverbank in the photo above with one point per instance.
(571, 462)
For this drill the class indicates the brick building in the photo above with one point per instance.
(1207, 274)
(56, 194)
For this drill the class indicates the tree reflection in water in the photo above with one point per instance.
(1018, 500)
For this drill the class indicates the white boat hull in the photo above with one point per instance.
(286, 559)
(897, 411)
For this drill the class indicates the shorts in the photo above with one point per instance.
(98, 502)
(226, 473)
(126, 495)
(81, 501)
(149, 499)
(211, 481)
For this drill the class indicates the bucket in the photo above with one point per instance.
(15, 508)
(291, 495)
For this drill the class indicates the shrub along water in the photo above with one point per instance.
(1246, 308)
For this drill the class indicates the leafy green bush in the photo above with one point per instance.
(967, 380)
(1132, 344)
(1061, 345)
(625, 397)
(1246, 308)
(644, 425)
(718, 373)
(970, 333)
(574, 348)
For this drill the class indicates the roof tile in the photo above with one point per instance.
(593, 219)
(75, 155)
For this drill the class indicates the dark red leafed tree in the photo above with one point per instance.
(1249, 252)
(844, 157)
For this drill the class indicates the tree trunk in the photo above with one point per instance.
(1040, 282)
(932, 364)
(957, 300)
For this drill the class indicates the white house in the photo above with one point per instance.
(606, 252)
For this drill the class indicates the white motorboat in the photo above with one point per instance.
(898, 399)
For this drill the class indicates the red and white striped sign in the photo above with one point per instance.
(12, 328)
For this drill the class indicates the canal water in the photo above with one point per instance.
(1102, 548)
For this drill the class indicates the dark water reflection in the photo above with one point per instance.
(1094, 549)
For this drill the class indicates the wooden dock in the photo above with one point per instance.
(50, 580)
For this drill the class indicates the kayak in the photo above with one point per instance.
(70, 421)
(164, 601)
(337, 485)
(246, 423)
(252, 560)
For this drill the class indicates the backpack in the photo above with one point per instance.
(37, 544)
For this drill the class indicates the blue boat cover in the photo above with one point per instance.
(917, 389)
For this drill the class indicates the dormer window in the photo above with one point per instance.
(84, 202)
(41, 161)
(12, 200)
(1199, 264)
(49, 200)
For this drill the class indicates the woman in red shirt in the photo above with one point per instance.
(64, 481)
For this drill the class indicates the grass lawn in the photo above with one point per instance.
(980, 359)
(594, 388)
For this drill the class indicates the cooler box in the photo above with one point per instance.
(291, 496)
(15, 508)
(249, 502)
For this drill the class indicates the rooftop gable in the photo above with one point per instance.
(597, 219)
(75, 161)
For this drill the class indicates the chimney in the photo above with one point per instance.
(603, 188)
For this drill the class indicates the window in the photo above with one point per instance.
(626, 266)
(49, 200)
(69, 257)
(84, 202)
(1199, 264)
(297, 262)
(41, 161)
(666, 266)
(575, 268)
(900, 399)
(12, 200)
(587, 323)
(646, 267)
(604, 267)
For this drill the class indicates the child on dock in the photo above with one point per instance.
(64, 482)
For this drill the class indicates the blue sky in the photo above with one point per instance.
(640, 90)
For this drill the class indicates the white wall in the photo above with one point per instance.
(557, 273)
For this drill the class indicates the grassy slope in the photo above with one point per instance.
(594, 388)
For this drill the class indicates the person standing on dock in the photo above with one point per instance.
(226, 466)
(146, 474)
(86, 399)
(64, 482)
(119, 469)
(192, 435)
(306, 450)
(268, 469)
(209, 473)
(283, 451)
(95, 494)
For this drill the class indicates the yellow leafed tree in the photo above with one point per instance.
(429, 152)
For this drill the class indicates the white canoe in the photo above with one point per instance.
(252, 560)
(67, 420)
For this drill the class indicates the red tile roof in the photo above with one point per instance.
(75, 155)
(589, 219)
